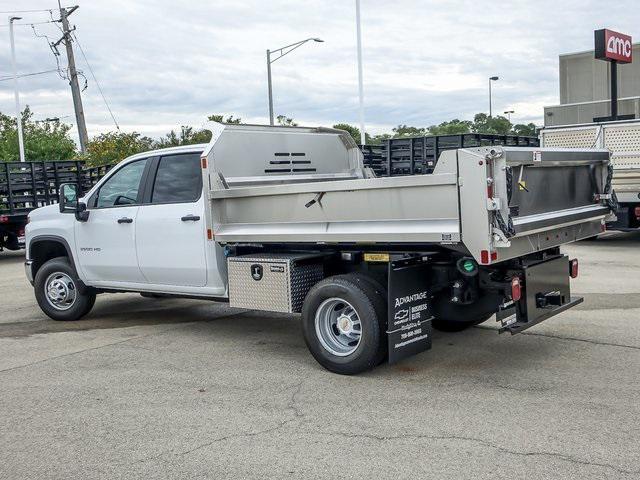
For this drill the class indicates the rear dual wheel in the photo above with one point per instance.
(344, 323)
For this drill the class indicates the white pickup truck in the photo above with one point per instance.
(288, 220)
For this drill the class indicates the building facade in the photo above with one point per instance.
(584, 89)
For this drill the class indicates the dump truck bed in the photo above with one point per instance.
(496, 203)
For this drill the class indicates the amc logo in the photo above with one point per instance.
(612, 45)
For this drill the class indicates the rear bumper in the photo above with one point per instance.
(546, 293)
(518, 327)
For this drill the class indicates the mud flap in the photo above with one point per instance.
(410, 309)
(547, 293)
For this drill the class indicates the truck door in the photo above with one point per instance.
(105, 243)
(170, 228)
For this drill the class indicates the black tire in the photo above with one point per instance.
(355, 291)
(60, 270)
(449, 317)
(381, 301)
(447, 325)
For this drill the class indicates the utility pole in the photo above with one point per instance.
(15, 86)
(73, 75)
(363, 139)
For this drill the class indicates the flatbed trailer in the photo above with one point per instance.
(419, 155)
(25, 186)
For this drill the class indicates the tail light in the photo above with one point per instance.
(4, 219)
(636, 211)
(21, 232)
(516, 289)
(573, 268)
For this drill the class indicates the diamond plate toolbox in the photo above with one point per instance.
(275, 282)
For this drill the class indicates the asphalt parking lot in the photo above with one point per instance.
(148, 388)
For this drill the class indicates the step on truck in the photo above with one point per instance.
(288, 220)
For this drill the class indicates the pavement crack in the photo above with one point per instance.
(486, 443)
(571, 339)
(292, 405)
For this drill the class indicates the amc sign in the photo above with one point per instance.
(614, 46)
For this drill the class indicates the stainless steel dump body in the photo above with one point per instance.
(494, 202)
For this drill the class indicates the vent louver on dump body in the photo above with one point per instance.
(290, 162)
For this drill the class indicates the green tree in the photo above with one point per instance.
(186, 136)
(528, 129)
(380, 138)
(112, 147)
(48, 140)
(406, 131)
(353, 131)
(220, 119)
(452, 127)
(482, 123)
(285, 121)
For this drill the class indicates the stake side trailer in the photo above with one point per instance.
(289, 220)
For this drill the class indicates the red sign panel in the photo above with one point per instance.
(612, 45)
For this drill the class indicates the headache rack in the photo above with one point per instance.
(28, 185)
(419, 155)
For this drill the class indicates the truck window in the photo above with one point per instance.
(178, 180)
(123, 186)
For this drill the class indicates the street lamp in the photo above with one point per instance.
(491, 79)
(15, 87)
(508, 114)
(281, 53)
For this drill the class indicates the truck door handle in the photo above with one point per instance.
(190, 218)
(125, 220)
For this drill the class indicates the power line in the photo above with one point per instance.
(3, 79)
(95, 80)
(54, 50)
(28, 24)
(29, 11)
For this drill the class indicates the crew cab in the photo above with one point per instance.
(288, 219)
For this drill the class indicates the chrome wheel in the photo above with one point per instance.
(338, 327)
(60, 291)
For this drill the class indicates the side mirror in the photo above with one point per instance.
(69, 203)
(68, 198)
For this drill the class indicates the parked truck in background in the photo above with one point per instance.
(25, 186)
(288, 219)
(622, 138)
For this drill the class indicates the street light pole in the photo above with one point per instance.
(508, 114)
(363, 136)
(281, 53)
(491, 79)
(270, 88)
(15, 86)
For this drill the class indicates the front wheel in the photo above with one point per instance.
(57, 292)
(343, 324)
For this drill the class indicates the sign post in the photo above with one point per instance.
(613, 47)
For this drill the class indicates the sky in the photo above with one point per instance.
(166, 63)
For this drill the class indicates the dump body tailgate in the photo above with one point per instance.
(515, 201)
